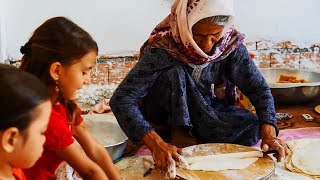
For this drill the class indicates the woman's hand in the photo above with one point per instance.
(271, 142)
(166, 156)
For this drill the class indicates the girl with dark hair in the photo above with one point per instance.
(24, 116)
(62, 55)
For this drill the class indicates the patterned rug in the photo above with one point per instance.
(284, 124)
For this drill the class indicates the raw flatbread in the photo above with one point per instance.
(304, 157)
(307, 159)
(220, 162)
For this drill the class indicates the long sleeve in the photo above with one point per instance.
(244, 74)
(133, 88)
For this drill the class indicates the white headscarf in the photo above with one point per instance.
(174, 33)
(201, 9)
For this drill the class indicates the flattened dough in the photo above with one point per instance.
(307, 159)
(220, 162)
(304, 158)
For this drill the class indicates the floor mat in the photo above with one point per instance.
(285, 135)
(300, 133)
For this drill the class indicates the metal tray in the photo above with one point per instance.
(293, 93)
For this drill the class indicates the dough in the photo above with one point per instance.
(307, 159)
(105, 128)
(134, 168)
(220, 162)
(304, 158)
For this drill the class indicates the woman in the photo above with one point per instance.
(186, 78)
(62, 54)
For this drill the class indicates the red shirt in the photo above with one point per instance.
(58, 136)
(18, 174)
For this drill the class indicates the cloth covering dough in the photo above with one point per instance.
(304, 158)
(220, 162)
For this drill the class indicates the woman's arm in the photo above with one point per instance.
(242, 71)
(135, 86)
(124, 104)
(80, 162)
(95, 151)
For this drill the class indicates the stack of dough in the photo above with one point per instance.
(304, 157)
(220, 162)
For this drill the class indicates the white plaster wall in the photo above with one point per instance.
(118, 26)
(121, 26)
(3, 43)
(294, 20)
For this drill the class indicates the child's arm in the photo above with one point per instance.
(80, 162)
(95, 151)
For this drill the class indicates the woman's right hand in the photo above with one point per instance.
(166, 156)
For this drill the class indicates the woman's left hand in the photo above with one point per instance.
(271, 142)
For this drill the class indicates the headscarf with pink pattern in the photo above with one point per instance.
(174, 33)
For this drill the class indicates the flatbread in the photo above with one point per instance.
(227, 164)
(220, 162)
(304, 158)
(307, 159)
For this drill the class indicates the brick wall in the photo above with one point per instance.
(112, 70)
(285, 54)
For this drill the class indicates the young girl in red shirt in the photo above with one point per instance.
(24, 116)
(62, 55)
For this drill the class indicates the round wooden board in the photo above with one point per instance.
(263, 168)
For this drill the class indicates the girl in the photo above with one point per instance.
(62, 55)
(24, 116)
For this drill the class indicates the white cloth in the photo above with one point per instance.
(197, 70)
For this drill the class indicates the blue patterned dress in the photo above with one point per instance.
(162, 90)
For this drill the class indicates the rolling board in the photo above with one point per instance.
(135, 167)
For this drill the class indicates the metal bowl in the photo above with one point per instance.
(293, 93)
(116, 150)
(105, 128)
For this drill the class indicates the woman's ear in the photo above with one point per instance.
(55, 70)
(10, 138)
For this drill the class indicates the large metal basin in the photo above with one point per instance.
(293, 93)
(105, 128)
